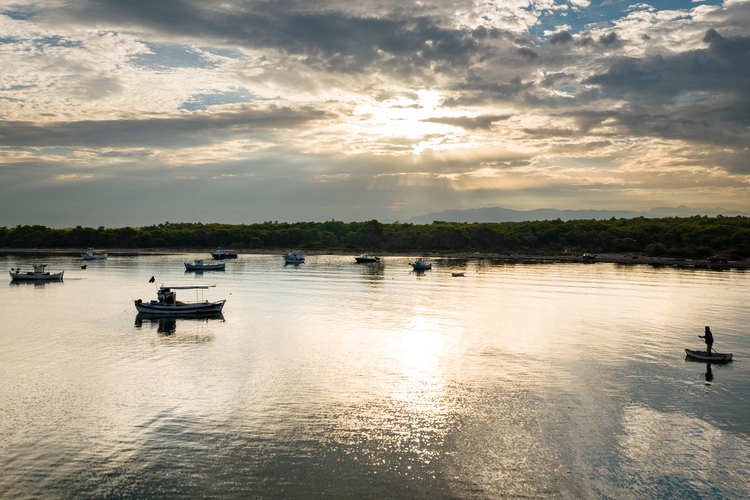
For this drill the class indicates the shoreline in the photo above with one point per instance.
(516, 258)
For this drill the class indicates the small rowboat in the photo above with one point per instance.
(367, 259)
(711, 357)
(199, 265)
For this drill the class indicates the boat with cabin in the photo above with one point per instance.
(224, 254)
(166, 303)
(420, 264)
(367, 259)
(711, 357)
(294, 258)
(92, 254)
(199, 265)
(39, 274)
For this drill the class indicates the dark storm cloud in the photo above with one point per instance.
(527, 53)
(561, 37)
(332, 39)
(479, 91)
(193, 129)
(469, 123)
(727, 48)
(699, 95)
(723, 67)
(610, 40)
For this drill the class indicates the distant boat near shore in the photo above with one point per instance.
(294, 258)
(420, 264)
(224, 254)
(92, 254)
(366, 259)
(199, 265)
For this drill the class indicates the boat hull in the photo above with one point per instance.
(709, 357)
(294, 258)
(93, 257)
(222, 254)
(36, 277)
(366, 260)
(214, 267)
(194, 308)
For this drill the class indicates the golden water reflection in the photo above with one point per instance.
(338, 380)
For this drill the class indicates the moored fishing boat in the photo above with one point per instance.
(166, 303)
(224, 254)
(294, 258)
(711, 357)
(420, 264)
(39, 274)
(92, 254)
(366, 259)
(199, 265)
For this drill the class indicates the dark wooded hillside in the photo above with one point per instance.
(675, 236)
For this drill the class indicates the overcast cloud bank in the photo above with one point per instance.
(131, 113)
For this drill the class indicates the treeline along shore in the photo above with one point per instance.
(690, 237)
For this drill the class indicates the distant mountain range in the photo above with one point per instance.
(498, 214)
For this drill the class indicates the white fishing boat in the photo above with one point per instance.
(199, 265)
(92, 254)
(166, 303)
(294, 258)
(39, 274)
(420, 264)
(366, 259)
(711, 357)
(224, 254)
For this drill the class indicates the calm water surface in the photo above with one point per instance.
(338, 380)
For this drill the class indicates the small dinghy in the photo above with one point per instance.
(199, 265)
(367, 259)
(711, 357)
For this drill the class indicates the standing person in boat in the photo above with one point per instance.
(708, 338)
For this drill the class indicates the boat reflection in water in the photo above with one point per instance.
(168, 325)
(33, 283)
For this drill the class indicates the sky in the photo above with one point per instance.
(137, 112)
